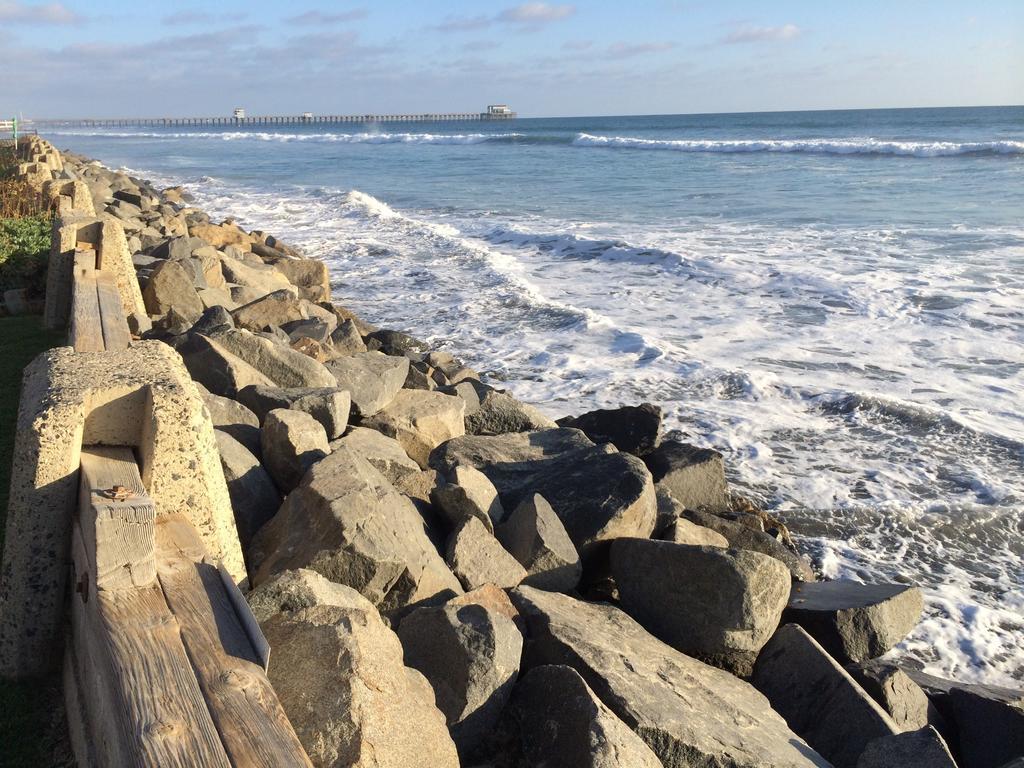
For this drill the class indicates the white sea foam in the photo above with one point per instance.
(865, 146)
(864, 438)
(369, 137)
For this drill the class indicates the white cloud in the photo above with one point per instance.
(535, 14)
(628, 50)
(318, 18)
(749, 34)
(15, 12)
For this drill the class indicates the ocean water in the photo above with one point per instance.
(834, 300)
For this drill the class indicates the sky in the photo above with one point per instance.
(100, 58)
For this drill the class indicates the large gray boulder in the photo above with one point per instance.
(170, 286)
(468, 493)
(498, 413)
(686, 711)
(695, 476)
(894, 690)
(717, 605)
(854, 621)
(988, 720)
(923, 748)
(328, 405)
(565, 725)
(476, 557)
(634, 429)
(274, 309)
(597, 493)
(818, 698)
(742, 536)
(261, 279)
(383, 452)
(339, 674)
(254, 497)
(292, 442)
(347, 522)
(218, 369)
(233, 418)
(420, 421)
(284, 367)
(470, 654)
(535, 537)
(683, 531)
(371, 378)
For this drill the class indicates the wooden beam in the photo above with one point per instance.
(137, 681)
(116, 335)
(253, 727)
(117, 527)
(85, 331)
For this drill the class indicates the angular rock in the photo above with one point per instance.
(686, 711)
(685, 532)
(694, 476)
(254, 497)
(476, 558)
(177, 248)
(372, 379)
(819, 700)
(565, 725)
(276, 308)
(216, 368)
(669, 510)
(717, 605)
(284, 367)
(213, 320)
(311, 328)
(598, 496)
(634, 429)
(312, 348)
(902, 699)
(292, 442)
(395, 342)
(170, 286)
(233, 418)
(261, 279)
(419, 421)
(744, 537)
(384, 453)
(220, 235)
(346, 339)
(499, 413)
(854, 621)
(216, 297)
(309, 275)
(988, 720)
(328, 405)
(912, 749)
(470, 655)
(468, 493)
(347, 522)
(535, 537)
(338, 672)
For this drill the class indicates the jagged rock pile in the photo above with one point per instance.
(448, 577)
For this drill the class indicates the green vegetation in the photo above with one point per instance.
(24, 248)
(32, 727)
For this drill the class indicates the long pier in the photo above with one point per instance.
(157, 122)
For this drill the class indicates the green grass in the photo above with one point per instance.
(24, 249)
(33, 731)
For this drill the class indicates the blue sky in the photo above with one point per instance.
(591, 57)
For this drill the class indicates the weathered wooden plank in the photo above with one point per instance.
(137, 680)
(253, 727)
(85, 332)
(112, 318)
(117, 526)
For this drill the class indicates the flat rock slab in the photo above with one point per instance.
(339, 674)
(854, 621)
(634, 429)
(695, 476)
(565, 725)
(819, 700)
(913, 749)
(371, 378)
(283, 366)
(718, 605)
(470, 655)
(420, 421)
(686, 711)
(347, 522)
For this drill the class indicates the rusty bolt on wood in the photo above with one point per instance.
(117, 493)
